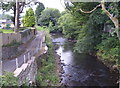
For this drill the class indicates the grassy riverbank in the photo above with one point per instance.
(47, 72)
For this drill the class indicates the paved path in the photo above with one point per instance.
(32, 48)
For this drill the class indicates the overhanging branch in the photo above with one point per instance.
(91, 10)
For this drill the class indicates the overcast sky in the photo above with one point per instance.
(47, 3)
(53, 4)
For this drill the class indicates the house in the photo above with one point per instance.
(6, 24)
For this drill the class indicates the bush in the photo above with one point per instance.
(8, 80)
(29, 19)
(109, 48)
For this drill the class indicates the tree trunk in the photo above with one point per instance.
(14, 14)
(17, 17)
(113, 19)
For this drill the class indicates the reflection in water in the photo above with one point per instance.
(82, 69)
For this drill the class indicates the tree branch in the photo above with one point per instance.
(114, 19)
(91, 10)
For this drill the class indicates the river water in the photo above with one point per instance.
(82, 69)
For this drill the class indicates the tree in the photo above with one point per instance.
(38, 11)
(69, 25)
(91, 36)
(49, 15)
(6, 6)
(17, 17)
(29, 19)
(113, 17)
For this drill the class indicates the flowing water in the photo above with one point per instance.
(82, 69)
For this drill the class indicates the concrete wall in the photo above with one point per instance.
(27, 72)
(8, 38)
(12, 51)
(21, 37)
(27, 34)
(9, 52)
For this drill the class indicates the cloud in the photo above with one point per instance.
(53, 4)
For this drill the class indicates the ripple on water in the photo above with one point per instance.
(81, 69)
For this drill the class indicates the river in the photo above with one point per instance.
(82, 69)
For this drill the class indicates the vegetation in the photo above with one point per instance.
(90, 29)
(39, 28)
(96, 33)
(87, 29)
(108, 49)
(17, 9)
(49, 18)
(38, 11)
(8, 80)
(6, 31)
(29, 19)
(46, 74)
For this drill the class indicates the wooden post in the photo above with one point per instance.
(1, 68)
(28, 55)
(24, 59)
(16, 63)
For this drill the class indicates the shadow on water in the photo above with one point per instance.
(82, 69)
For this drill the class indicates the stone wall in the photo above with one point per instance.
(8, 38)
(27, 72)
(12, 51)
(27, 34)
(21, 37)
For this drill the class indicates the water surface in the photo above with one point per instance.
(82, 69)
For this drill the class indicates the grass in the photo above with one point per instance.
(12, 31)
(6, 31)
(41, 28)
(46, 74)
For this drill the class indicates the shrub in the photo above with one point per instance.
(109, 48)
(29, 19)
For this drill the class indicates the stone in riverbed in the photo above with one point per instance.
(69, 75)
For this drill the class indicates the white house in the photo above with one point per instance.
(6, 23)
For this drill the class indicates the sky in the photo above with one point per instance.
(53, 4)
(47, 3)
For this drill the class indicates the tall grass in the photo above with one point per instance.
(46, 74)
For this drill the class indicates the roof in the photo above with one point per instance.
(6, 21)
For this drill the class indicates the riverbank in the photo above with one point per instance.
(112, 67)
(80, 69)
(47, 67)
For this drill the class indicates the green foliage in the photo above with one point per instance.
(8, 80)
(90, 34)
(69, 25)
(38, 11)
(109, 48)
(6, 31)
(29, 19)
(39, 28)
(46, 74)
(49, 15)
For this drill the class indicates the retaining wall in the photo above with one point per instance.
(27, 72)
(21, 37)
(10, 51)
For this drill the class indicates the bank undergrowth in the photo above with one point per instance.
(46, 73)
